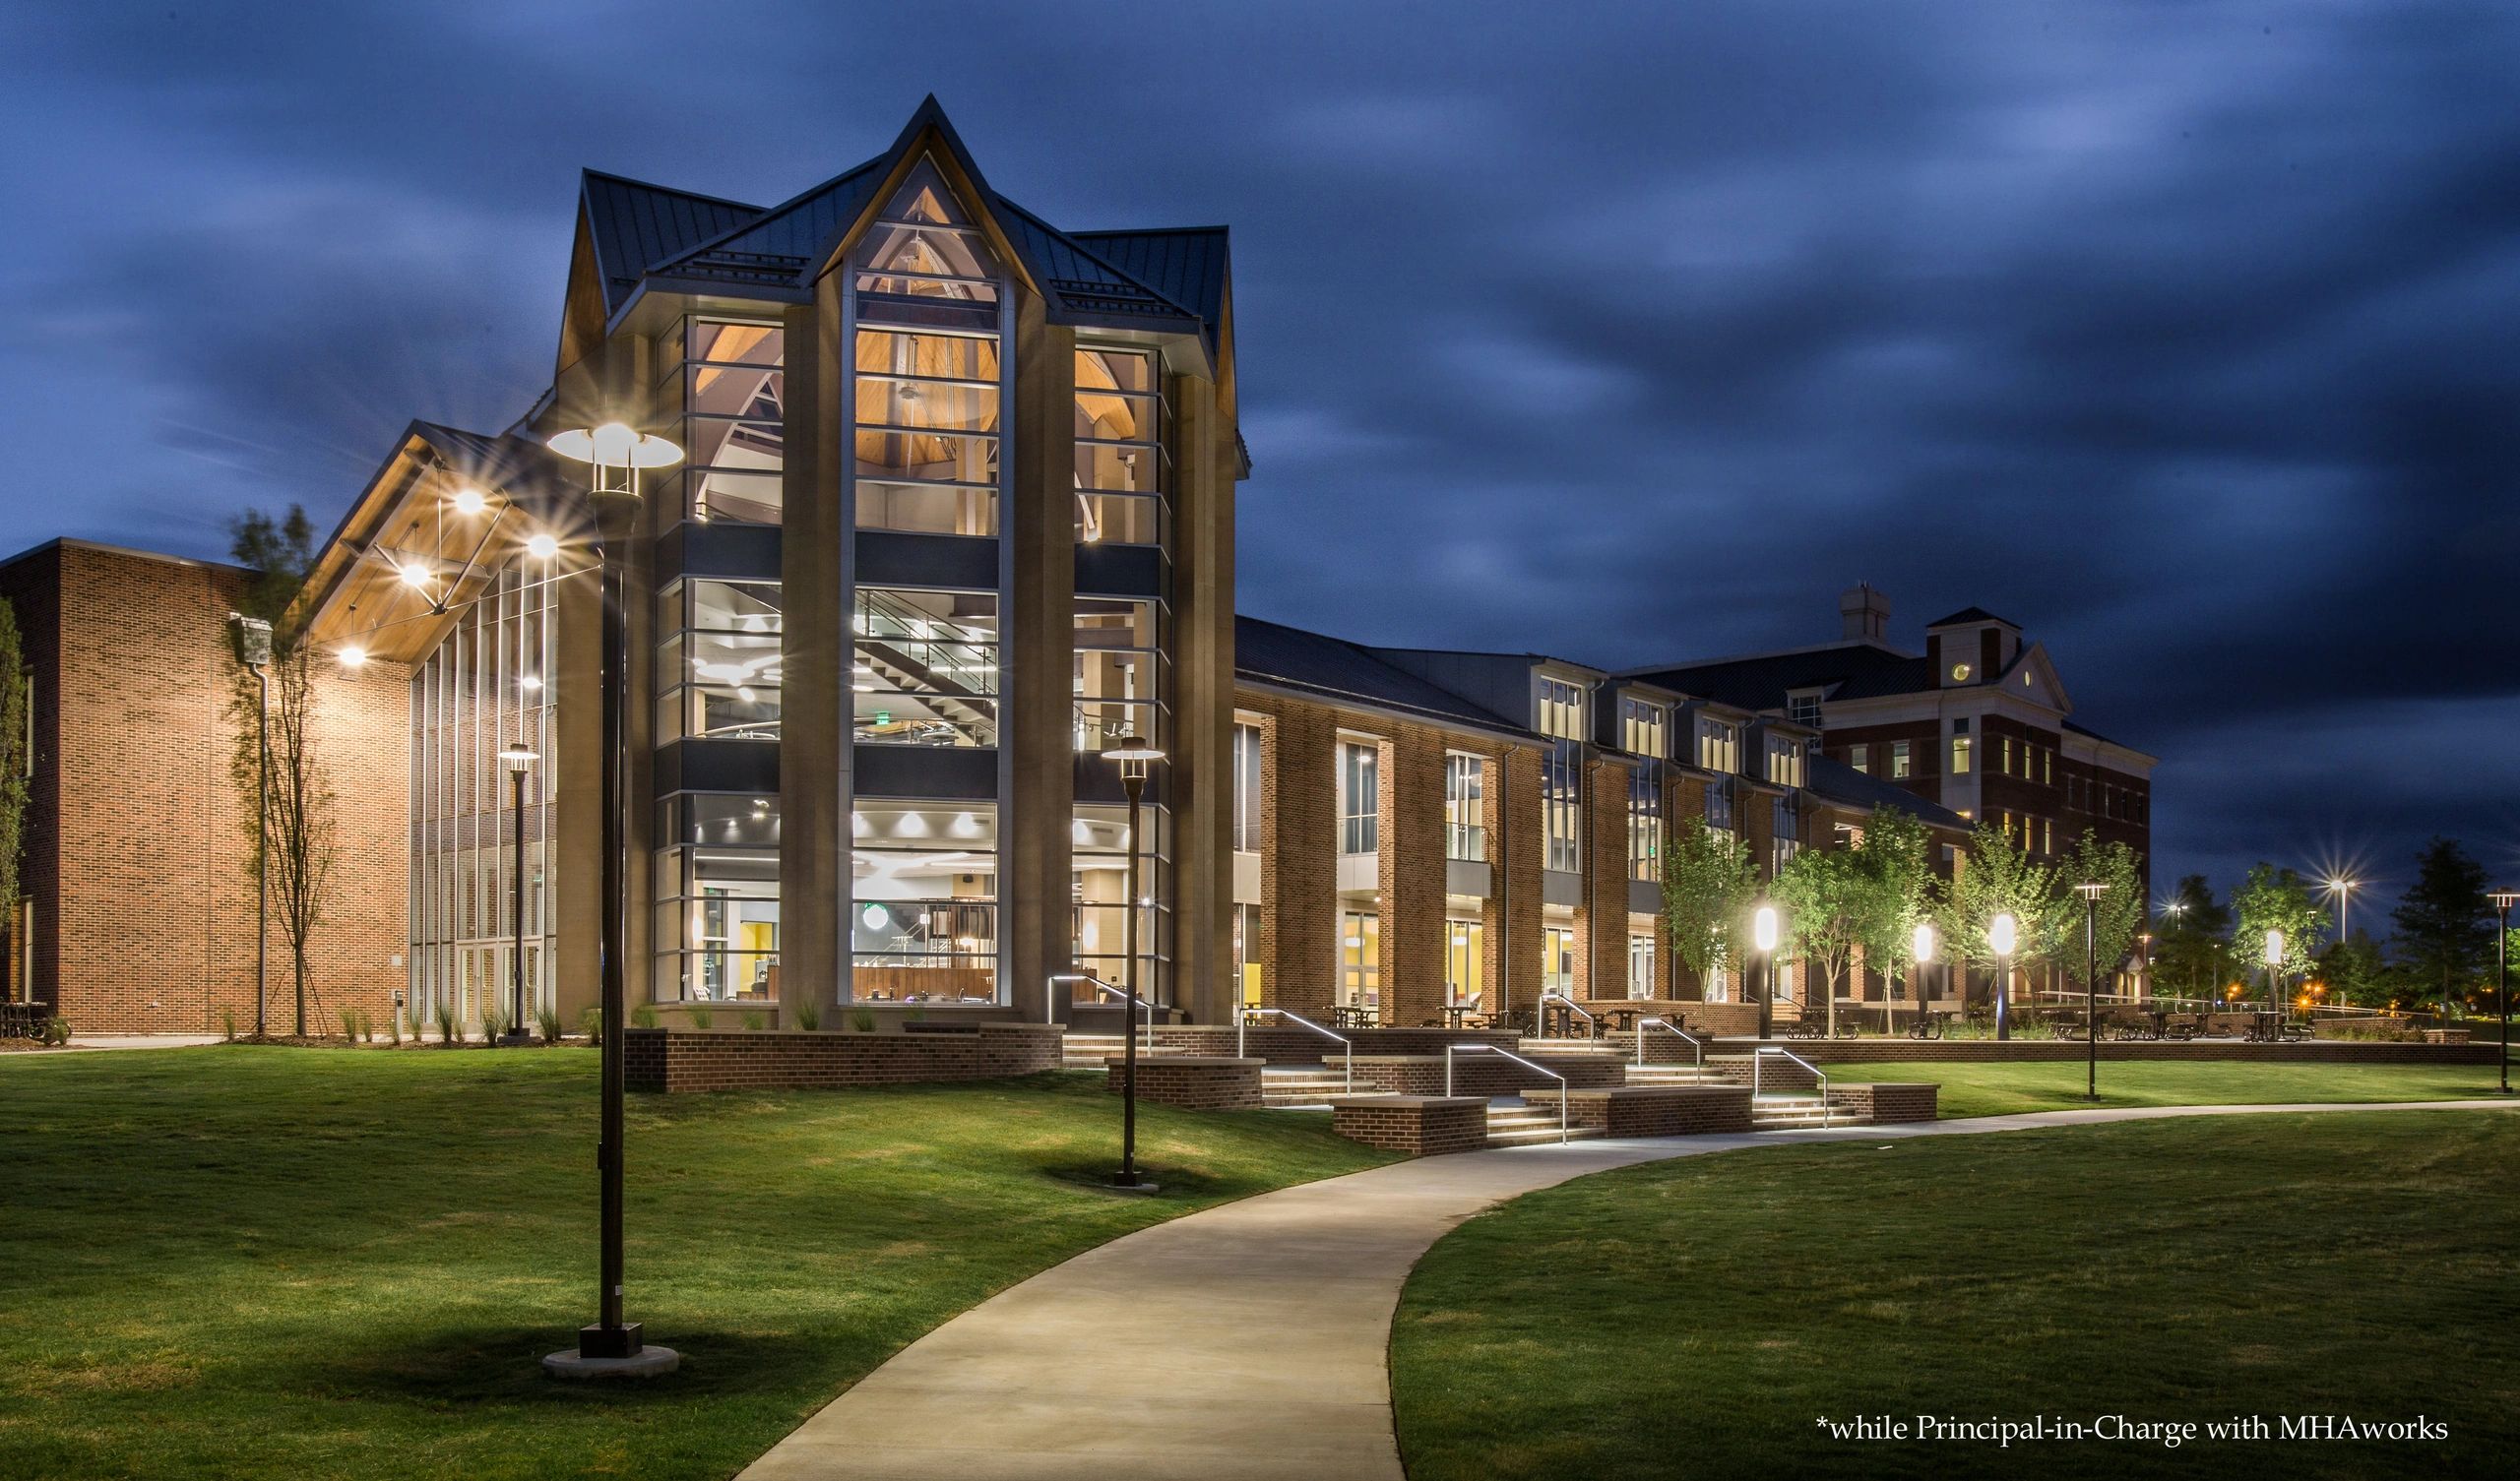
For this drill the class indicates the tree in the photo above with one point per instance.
(2277, 899)
(1709, 881)
(1994, 879)
(292, 841)
(2122, 908)
(13, 765)
(2193, 928)
(2354, 972)
(2444, 923)
(1901, 853)
(1838, 902)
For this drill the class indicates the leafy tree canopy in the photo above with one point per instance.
(1709, 881)
(2444, 924)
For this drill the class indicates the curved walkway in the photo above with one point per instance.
(1245, 1341)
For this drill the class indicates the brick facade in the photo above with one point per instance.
(139, 834)
(1193, 1082)
(1419, 1126)
(1657, 1110)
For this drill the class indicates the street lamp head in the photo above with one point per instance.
(1922, 944)
(614, 445)
(2004, 933)
(1763, 928)
(2504, 900)
(2274, 947)
(2091, 891)
(1135, 754)
(518, 758)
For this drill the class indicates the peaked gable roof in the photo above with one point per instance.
(1969, 614)
(1846, 671)
(635, 225)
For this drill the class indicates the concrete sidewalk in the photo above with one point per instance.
(1245, 1341)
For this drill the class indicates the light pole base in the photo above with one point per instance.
(650, 1361)
(516, 1038)
(1136, 1184)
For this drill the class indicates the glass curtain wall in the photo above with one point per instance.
(1120, 672)
(1097, 851)
(1120, 470)
(928, 404)
(922, 924)
(1246, 788)
(481, 692)
(1561, 717)
(717, 881)
(731, 386)
(718, 660)
(925, 670)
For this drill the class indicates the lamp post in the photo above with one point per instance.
(2275, 982)
(518, 757)
(1135, 755)
(1763, 938)
(2004, 933)
(254, 648)
(2176, 910)
(614, 455)
(2091, 892)
(2340, 890)
(1922, 949)
(2504, 901)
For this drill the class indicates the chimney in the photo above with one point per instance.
(1863, 614)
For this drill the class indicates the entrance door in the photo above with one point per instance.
(1466, 963)
(1360, 961)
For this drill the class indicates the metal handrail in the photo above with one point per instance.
(1643, 1024)
(1121, 993)
(1244, 1020)
(1578, 1008)
(1758, 1060)
(1517, 1059)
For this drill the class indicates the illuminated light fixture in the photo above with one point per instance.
(352, 657)
(468, 501)
(744, 693)
(518, 758)
(543, 547)
(529, 683)
(414, 575)
(1763, 928)
(614, 445)
(2004, 933)
(874, 917)
(1922, 944)
(2274, 947)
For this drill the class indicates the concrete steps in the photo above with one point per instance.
(1302, 1087)
(1515, 1124)
(1776, 1113)
(1677, 1075)
(1087, 1051)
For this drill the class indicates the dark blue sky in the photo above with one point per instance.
(2182, 334)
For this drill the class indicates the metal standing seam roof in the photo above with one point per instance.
(1274, 653)
(635, 224)
(1853, 671)
(1836, 782)
(1188, 266)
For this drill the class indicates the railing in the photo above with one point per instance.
(1758, 1061)
(1517, 1059)
(1643, 1024)
(1243, 1021)
(1124, 993)
(1572, 1006)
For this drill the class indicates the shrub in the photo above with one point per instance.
(701, 1017)
(449, 1029)
(350, 1026)
(547, 1019)
(494, 1022)
(863, 1021)
(56, 1030)
(591, 1023)
(808, 1016)
(644, 1017)
(227, 1024)
(756, 1021)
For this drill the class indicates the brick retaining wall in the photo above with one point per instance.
(1421, 1125)
(1885, 1103)
(680, 1061)
(1293, 1044)
(1192, 1082)
(1484, 1073)
(1656, 1110)
(2026, 1051)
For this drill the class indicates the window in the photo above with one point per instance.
(1361, 961)
(1562, 801)
(1246, 788)
(1640, 964)
(2047, 765)
(1645, 821)
(1099, 864)
(1860, 758)
(1717, 747)
(1803, 706)
(1719, 806)
(927, 670)
(1900, 763)
(733, 391)
(1465, 806)
(1561, 710)
(1121, 671)
(1960, 741)
(1557, 959)
(1785, 760)
(1247, 969)
(1465, 963)
(927, 398)
(2003, 754)
(718, 660)
(2047, 835)
(1119, 449)
(1642, 728)
(1360, 797)
(1787, 821)
(717, 883)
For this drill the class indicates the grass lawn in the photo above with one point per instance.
(253, 1261)
(1992, 1090)
(1695, 1317)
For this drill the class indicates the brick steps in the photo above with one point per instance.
(1793, 1113)
(1087, 1051)
(1301, 1087)
(1514, 1125)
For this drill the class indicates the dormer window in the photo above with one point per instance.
(1717, 747)
(1802, 707)
(1784, 762)
(1642, 728)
